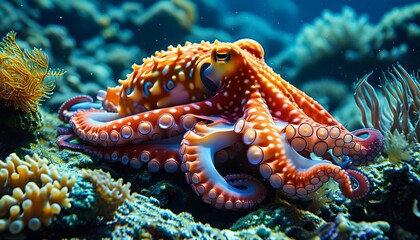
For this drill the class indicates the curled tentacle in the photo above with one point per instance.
(373, 142)
(362, 187)
(66, 110)
(308, 175)
(233, 192)
(248, 183)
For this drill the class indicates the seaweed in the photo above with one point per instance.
(23, 85)
(22, 77)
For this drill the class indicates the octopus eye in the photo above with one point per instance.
(222, 57)
(169, 86)
(146, 88)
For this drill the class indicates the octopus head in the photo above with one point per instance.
(180, 75)
(169, 78)
(229, 61)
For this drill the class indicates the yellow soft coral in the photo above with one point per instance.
(32, 193)
(111, 193)
(22, 75)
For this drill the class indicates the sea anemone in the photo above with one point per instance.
(397, 117)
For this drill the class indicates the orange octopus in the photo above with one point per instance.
(213, 109)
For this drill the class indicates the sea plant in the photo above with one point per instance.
(397, 117)
(22, 77)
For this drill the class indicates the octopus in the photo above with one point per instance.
(219, 114)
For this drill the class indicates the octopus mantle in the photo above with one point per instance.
(213, 109)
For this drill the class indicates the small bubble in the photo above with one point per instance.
(61, 17)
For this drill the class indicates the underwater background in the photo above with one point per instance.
(323, 48)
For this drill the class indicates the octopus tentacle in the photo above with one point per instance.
(311, 108)
(64, 113)
(64, 139)
(279, 161)
(373, 142)
(197, 150)
(302, 176)
(154, 156)
(362, 187)
(286, 102)
(321, 140)
(110, 129)
(260, 133)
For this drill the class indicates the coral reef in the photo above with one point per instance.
(220, 21)
(142, 218)
(282, 217)
(343, 228)
(397, 33)
(331, 38)
(343, 45)
(32, 193)
(161, 18)
(394, 189)
(84, 208)
(169, 195)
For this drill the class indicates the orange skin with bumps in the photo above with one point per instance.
(200, 106)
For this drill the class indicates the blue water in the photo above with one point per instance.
(322, 47)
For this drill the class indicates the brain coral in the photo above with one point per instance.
(32, 193)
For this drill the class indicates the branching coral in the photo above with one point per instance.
(111, 193)
(32, 193)
(22, 76)
(399, 116)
